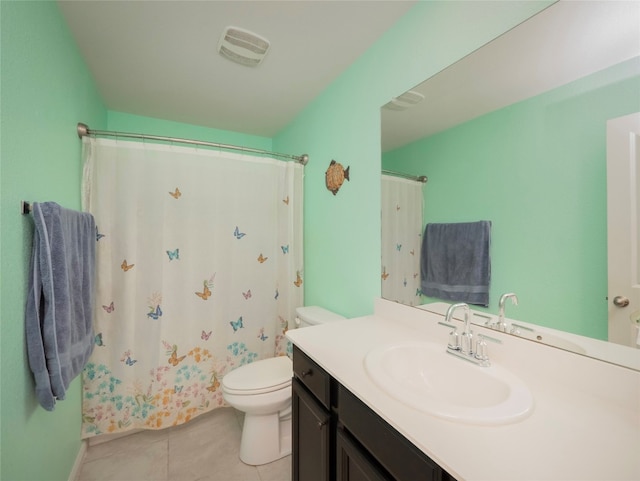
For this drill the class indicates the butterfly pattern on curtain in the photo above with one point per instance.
(199, 271)
(401, 226)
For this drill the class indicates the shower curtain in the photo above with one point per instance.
(402, 202)
(199, 271)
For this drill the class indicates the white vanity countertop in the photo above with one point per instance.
(585, 424)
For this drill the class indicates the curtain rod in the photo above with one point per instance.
(418, 178)
(84, 130)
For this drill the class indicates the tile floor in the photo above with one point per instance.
(205, 449)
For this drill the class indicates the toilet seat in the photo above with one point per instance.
(260, 377)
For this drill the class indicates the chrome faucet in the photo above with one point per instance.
(501, 325)
(466, 338)
(462, 345)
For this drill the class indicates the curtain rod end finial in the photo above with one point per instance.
(82, 129)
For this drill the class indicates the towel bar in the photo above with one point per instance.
(25, 207)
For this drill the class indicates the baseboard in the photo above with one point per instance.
(105, 438)
(78, 463)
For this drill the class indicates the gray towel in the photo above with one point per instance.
(455, 263)
(59, 310)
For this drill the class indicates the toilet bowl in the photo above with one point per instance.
(262, 390)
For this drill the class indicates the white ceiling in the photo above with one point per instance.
(565, 42)
(159, 58)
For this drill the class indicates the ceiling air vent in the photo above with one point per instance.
(404, 101)
(243, 47)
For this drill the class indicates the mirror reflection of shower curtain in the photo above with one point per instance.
(199, 271)
(402, 203)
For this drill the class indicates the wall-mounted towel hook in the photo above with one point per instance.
(25, 207)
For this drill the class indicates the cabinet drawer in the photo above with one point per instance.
(314, 378)
(398, 456)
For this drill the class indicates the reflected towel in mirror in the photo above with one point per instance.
(456, 263)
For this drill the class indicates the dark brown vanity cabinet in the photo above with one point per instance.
(396, 456)
(313, 423)
(311, 437)
(336, 437)
(352, 463)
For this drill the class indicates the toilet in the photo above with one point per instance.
(262, 390)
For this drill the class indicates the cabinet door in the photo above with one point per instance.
(354, 465)
(401, 459)
(311, 437)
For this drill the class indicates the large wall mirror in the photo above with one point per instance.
(516, 133)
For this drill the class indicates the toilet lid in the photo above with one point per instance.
(260, 376)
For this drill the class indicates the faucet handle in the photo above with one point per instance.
(489, 338)
(482, 352)
(487, 319)
(481, 349)
(515, 328)
(446, 324)
(454, 340)
(454, 337)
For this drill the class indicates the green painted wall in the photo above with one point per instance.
(46, 90)
(537, 170)
(342, 232)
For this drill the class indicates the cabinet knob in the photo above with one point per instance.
(321, 424)
(306, 373)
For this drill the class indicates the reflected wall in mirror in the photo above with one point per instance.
(515, 133)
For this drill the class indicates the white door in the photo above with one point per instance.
(623, 212)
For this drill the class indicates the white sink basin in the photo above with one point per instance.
(424, 376)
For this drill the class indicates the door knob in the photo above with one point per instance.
(620, 301)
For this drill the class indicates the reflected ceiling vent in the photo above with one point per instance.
(242, 46)
(404, 101)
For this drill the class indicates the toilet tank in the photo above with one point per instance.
(312, 315)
